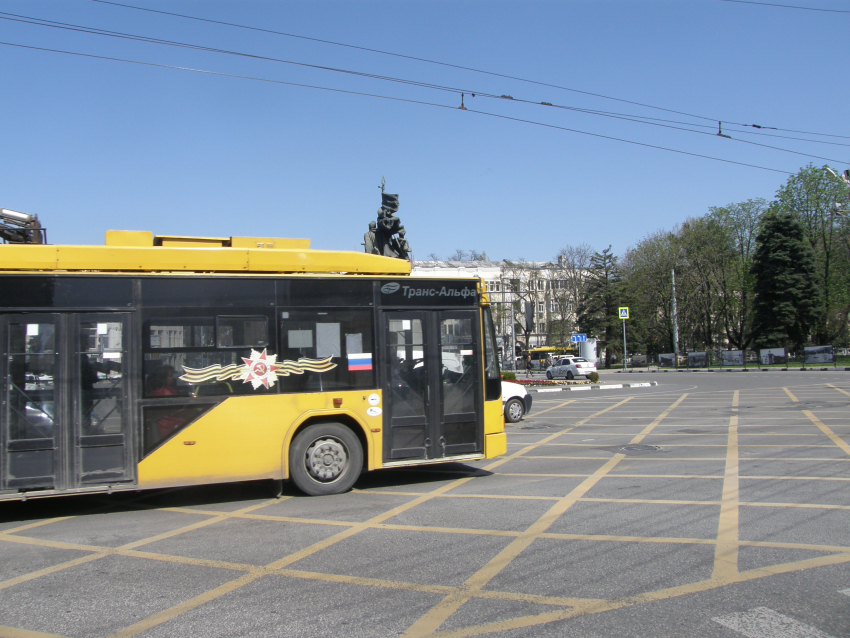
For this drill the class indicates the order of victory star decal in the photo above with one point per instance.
(259, 369)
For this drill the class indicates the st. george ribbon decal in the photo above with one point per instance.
(260, 369)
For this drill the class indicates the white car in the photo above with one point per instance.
(516, 401)
(570, 368)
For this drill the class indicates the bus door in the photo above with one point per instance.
(64, 408)
(432, 387)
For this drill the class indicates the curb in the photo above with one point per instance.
(579, 388)
(738, 370)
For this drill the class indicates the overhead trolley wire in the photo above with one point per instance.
(151, 40)
(773, 4)
(454, 66)
(386, 97)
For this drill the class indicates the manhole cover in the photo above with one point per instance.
(535, 427)
(640, 448)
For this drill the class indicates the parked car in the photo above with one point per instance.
(570, 368)
(516, 401)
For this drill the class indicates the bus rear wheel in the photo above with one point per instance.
(325, 458)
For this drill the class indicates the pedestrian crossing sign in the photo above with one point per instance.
(624, 313)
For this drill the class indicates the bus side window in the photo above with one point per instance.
(344, 337)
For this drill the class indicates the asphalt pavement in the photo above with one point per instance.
(711, 505)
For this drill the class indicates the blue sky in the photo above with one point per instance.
(91, 144)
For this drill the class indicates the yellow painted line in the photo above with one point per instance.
(52, 570)
(449, 530)
(185, 560)
(839, 389)
(819, 548)
(226, 588)
(560, 405)
(434, 589)
(524, 622)
(38, 542)
(829, 433)
(295, 519)
(192, 603)
(647, 501)
(102, 551)
(795, 478)
(38, 524)
(366, 582)
(552, 437)
(814, 506)
(438, 614)
(602, 538)
(12, 632)
(726, 551)
(556, 475)
(791, 396)
(449, 605)
(198, 525)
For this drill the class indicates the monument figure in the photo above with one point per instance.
(370, 238)
(387, 236)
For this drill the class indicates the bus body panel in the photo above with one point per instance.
(494, 417)
(495, 445)
(213, 259)
(247, 438)
(232, 436)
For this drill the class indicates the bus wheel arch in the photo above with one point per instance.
(326, 455)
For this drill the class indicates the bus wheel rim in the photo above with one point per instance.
(326, 459)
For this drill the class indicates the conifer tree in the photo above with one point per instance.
(786, 292)
(598, 314)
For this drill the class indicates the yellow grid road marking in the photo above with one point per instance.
(829, 433)
(431, 621)
(791, 396)
(726, 551)
(839, 389)
(664, 594)
(577, 605)
(11, 632)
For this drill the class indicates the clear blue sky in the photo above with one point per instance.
(91, 145)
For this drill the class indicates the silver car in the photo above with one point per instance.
(570, 368)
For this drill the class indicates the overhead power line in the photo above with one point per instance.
(386, 97)
(151, 40)
(450, 65)
(773, 4)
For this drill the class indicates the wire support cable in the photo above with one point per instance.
(453, 66)
(784, 6)
(386, 97)
(151, 40)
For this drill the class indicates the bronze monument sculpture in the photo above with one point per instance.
(387, 235)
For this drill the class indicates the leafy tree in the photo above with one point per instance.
(786, 297)
(567, 285)
(598, 314)
(736, 285)
(809, 195)
(647, 290)
(706, 250)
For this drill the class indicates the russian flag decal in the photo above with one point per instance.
(360, 361)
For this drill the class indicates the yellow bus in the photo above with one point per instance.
(540, 354)
(166, 361)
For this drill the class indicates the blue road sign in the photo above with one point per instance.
(578, 338)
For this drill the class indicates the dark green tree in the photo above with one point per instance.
(786, 299)
(598, 313)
